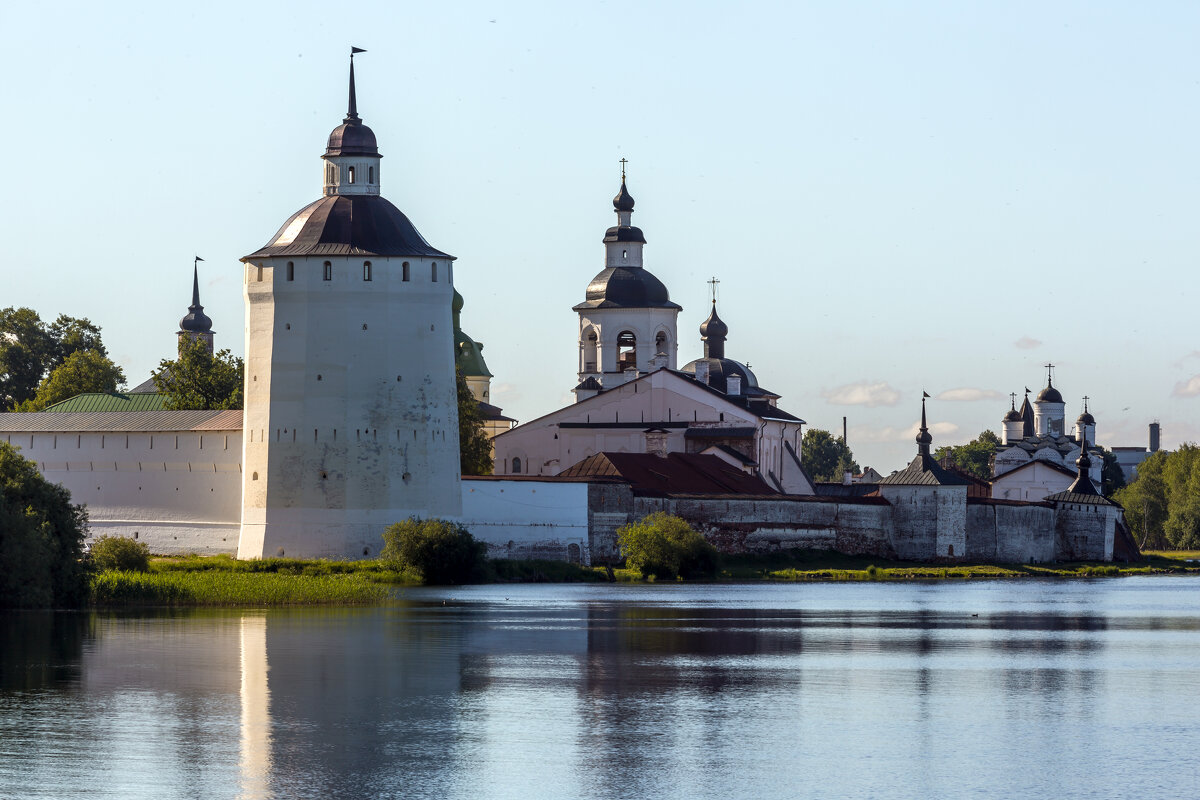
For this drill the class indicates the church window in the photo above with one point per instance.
(351, 175)
(327, 274)
(259, 275)
(291, 271)
(370, 175)
(330, 175)
(624, 254)
(366, 270)
(404, 271)
(254, 476)
(590, 347)
(433, 271)
(516, 466)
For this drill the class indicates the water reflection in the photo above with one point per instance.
(1000, 691)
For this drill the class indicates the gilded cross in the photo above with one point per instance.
(713, 287)
(624, 161)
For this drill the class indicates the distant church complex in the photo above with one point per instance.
(352, 340)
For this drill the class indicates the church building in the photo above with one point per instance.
(632, 398)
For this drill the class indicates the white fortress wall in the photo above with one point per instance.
(523, 518)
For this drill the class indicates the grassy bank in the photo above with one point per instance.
(225, 581)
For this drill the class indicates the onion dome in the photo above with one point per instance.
(195, 321)
(1049, 394)
(339, 225)
(721, 369)
(456, 305)
(714, 327)
(924, 439)
(1086, 417)
(624, 200)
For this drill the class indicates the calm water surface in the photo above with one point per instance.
(1062, 689)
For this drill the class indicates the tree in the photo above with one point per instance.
(974, 457)
(474, 446)
(825, 457)
(200, 380)
(664, 546)
(443, 552)
(1111, 475)
(30, 350)
(83, 371)
(1162, 506)
(41, 538)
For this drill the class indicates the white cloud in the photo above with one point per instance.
(1188, 388)
(1184, 360)
(1027, 343)
(862, 394)
(968, 395)
(939, 430)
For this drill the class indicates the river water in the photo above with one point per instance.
(996, 689)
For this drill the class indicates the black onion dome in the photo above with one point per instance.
(1086, 419)
(1049, 395)
(624, 200)
(714, 327)
(196, 321)
(624, 233)
(360, 224)
(1013, 416)
(352, 138)
(719, 370)
(626, 287)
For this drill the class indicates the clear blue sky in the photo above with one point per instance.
(895, 196)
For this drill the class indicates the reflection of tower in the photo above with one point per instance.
(627, 320)
(256, 713)
(196, 324)
(351, 419)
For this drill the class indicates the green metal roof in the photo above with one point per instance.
(103, 401)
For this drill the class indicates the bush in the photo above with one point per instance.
(442, 552)
(665, 546)
(41, 538)
(120, 552)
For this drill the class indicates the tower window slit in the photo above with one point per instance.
(350, 175)
(404, 271)
(291, 271)
(370, 175)
(433, 272)
(366, 270)
(327, 274)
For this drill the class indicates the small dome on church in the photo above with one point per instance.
(719, 370)
(1086, 419)
(196, 321)
(1049, 395)
(456, 305)
(714, 327)
(352, 138)
(624, 200)
(1013, 416)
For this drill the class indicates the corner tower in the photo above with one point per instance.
(627, 322)
(351, 415)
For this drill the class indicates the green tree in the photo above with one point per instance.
(664, 546)
(442, 552)
(1162, 506)
(41, 538)
(1111, 475)
(201, 380)
(30, 350)
(974, 457)
(121, 553)
(474, 446)
(82, 371)
(826, 458)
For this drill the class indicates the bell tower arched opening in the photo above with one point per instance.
(626, 351)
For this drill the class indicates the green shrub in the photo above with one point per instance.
(665, 546)
(120, 552)
(442, 552)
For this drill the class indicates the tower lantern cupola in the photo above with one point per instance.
(352, 155)
(196, 324)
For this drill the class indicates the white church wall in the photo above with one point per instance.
(528, 518)
(1031, 483)
(177, 491)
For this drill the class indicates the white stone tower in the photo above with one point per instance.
(351, 419)
(627, 323)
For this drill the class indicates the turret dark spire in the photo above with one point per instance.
(196, 324)
(713, 332)
(352, 106)
(624, 200)
(923, 438)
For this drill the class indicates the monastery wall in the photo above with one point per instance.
(1086, 532)
(1010, 532)
(179, 492)
(528, 518)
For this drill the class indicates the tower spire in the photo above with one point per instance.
(923, 438)
(352, 106)
(195, 324)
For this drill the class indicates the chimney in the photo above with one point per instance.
(1154, 437)
(847, 478)
(702, 372)
(656, 442)
(733, 385)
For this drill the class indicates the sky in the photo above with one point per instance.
(897, 197)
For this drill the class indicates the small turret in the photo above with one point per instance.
(195, 324)
(1013, 423)
(1049, 410)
